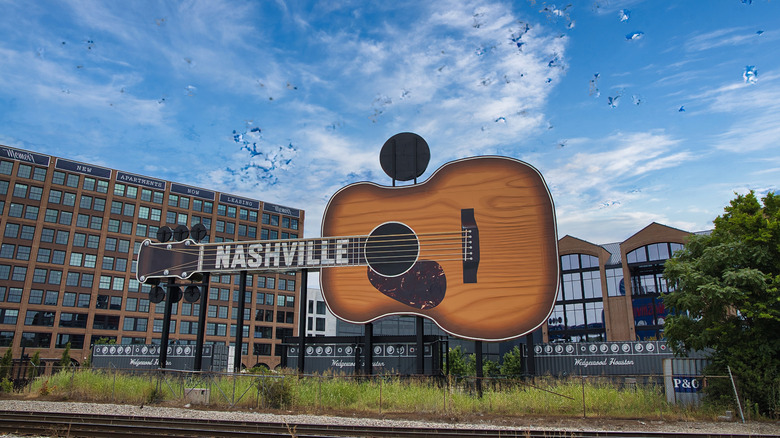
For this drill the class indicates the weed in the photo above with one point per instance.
(277, 392)
(377, 394)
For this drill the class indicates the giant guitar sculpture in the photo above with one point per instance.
(474, 248)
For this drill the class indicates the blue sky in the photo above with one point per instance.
(634, 111)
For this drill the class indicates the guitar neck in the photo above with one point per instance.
(387, 252)
(288, 254)
(182, 259)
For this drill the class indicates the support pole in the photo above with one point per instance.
(736, 395)
(368, 349)
(420, 347)
(22, 360)
(302, 303)
(166, 323)
(478, 354)
(240, 322)
(204, 302)
(530, 357)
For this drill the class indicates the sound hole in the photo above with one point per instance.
(392, 249)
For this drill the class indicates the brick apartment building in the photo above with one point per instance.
(70, 233)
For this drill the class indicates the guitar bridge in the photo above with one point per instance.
(470, 245)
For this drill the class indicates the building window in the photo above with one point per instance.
(9, 316)
(76, 341)
(106, 322)
(136, 324)
(646, 267)
(39, 318)
(37, 340)
(262, 349)
(6, 339)
(615, 285)
(76, 320)
(578, 313)
(51, 298)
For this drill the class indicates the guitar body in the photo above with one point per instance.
(509, 292)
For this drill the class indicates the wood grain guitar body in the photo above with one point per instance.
(487, 264)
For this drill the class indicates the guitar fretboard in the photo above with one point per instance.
(283, 254)
(182, 259)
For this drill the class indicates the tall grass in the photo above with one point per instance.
(377, 395)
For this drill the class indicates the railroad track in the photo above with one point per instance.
(120, 426)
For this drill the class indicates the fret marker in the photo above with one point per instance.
(341, 252)
(324, 254)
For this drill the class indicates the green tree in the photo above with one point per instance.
(512, 363)
(726, 299)
(105, 341)
(461, 364)
(65, 361)
(490, 368)
(35, 365)
(5, 364)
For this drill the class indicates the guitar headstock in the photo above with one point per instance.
(169, 259)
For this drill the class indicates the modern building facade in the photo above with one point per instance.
(319, 320)
(70, 234)
(613, 292)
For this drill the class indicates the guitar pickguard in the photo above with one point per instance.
(422, 287)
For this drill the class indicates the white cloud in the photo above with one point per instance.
(721, 38)
(628, 156)
(754, 124)
(612, 184)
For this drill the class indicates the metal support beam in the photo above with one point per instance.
(166, 323)
(240, 322)
(478, 354)
(420, 346)
(368, 349)
(530, 355)
(302, 302)
(204, 302)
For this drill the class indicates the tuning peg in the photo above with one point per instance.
(174, 294)
(198, 232)
(164, 233)
(192, 294)
(181, 232)
(156, 295)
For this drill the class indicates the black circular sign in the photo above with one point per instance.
(174, 294)
(405, 156)
(157, 294)
(181, 232)
(164, 233)
(198, 232)
(191, 293)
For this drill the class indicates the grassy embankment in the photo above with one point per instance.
(379, 395)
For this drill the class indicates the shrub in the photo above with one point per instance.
(35, 363)
(65, 359)
(277, 392)
(512, 365)
(6, 385)
(5, 364)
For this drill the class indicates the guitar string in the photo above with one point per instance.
(456, 254)
(391, 257)
(390, 244)
(183, 267)
(386, 246)
(318, 241)
(355, 244)
(333, 238)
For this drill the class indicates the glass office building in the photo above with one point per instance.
(613, 292)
